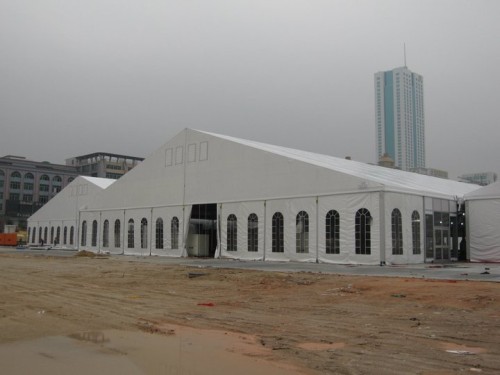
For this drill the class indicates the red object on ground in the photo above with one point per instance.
(8, 239)
(209, 304)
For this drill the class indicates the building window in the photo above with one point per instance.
(15, 185)
(58, 236)
(302, 232)
(415, 231)
(144, 233)
(159, 233)
(29, 176)
(84, 234)
(332, 232)
(232, 233)
(253, 233)
(130, 243)
(362, 232)
(174, 233)
(27, 198)
(14, 196)
(56, 180)
(94, 233)
(28, 186)
(65, 235)
(44, 188)
(51, 235)
(15, 175)
(277, 233)
(117, 233)
(44, 177)
(105, 234)
(397, 232)
(33, 235)
(43, 199)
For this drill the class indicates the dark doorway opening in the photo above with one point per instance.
(202, 234)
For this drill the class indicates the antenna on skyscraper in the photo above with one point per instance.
(404, 51)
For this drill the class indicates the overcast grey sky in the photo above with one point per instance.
(124, 76)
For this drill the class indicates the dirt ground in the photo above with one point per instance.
(316, 323)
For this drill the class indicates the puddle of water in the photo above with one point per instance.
(453, 348)
(186, 351)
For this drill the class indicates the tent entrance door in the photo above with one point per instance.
(442, 244)
(202, 233)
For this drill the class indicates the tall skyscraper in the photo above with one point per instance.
(399, 117)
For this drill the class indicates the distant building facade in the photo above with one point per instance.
(27, 185)
(103, 165)
(399, 117)
(481, 178)
(431, 172)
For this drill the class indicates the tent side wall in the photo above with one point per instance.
(144, 232)
(311, 248)
(405, 205)
(483, 227)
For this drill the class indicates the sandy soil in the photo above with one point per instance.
(302, 322)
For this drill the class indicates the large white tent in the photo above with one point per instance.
(203, 194)
(61, 213)
(482, 214)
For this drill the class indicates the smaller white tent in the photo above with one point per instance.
(482, 215)
(56, 223)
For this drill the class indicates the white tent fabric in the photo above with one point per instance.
(483, 223)
(62, 211)
(244, 178)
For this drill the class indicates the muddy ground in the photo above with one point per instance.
(322, 324)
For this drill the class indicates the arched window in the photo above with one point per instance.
(44, 177)
(33, 235)
(45, 234)
(65, 235)
(117, 233)
(58, 236)
(94, 233)
(71, 235)
(159, 233)
(52, 235)
(302, 232)
(277, 232)
(232, 233)
(144, 233)
(253, 232)
(40, 235)
(70, 179)
(57, 179)
(84, 233)
(362, 232)
(130, 243)
(15, 175)
(29, 177)
(174, 233)
(397, 232)
(332, 232)
(415, 231)
(105, 234)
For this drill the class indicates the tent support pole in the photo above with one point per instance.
(382, 227)
(317, 230)
(265, 225)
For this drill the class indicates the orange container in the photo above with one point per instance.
(8, 239)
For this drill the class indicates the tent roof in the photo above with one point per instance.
(485, 192)
(393, 179)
